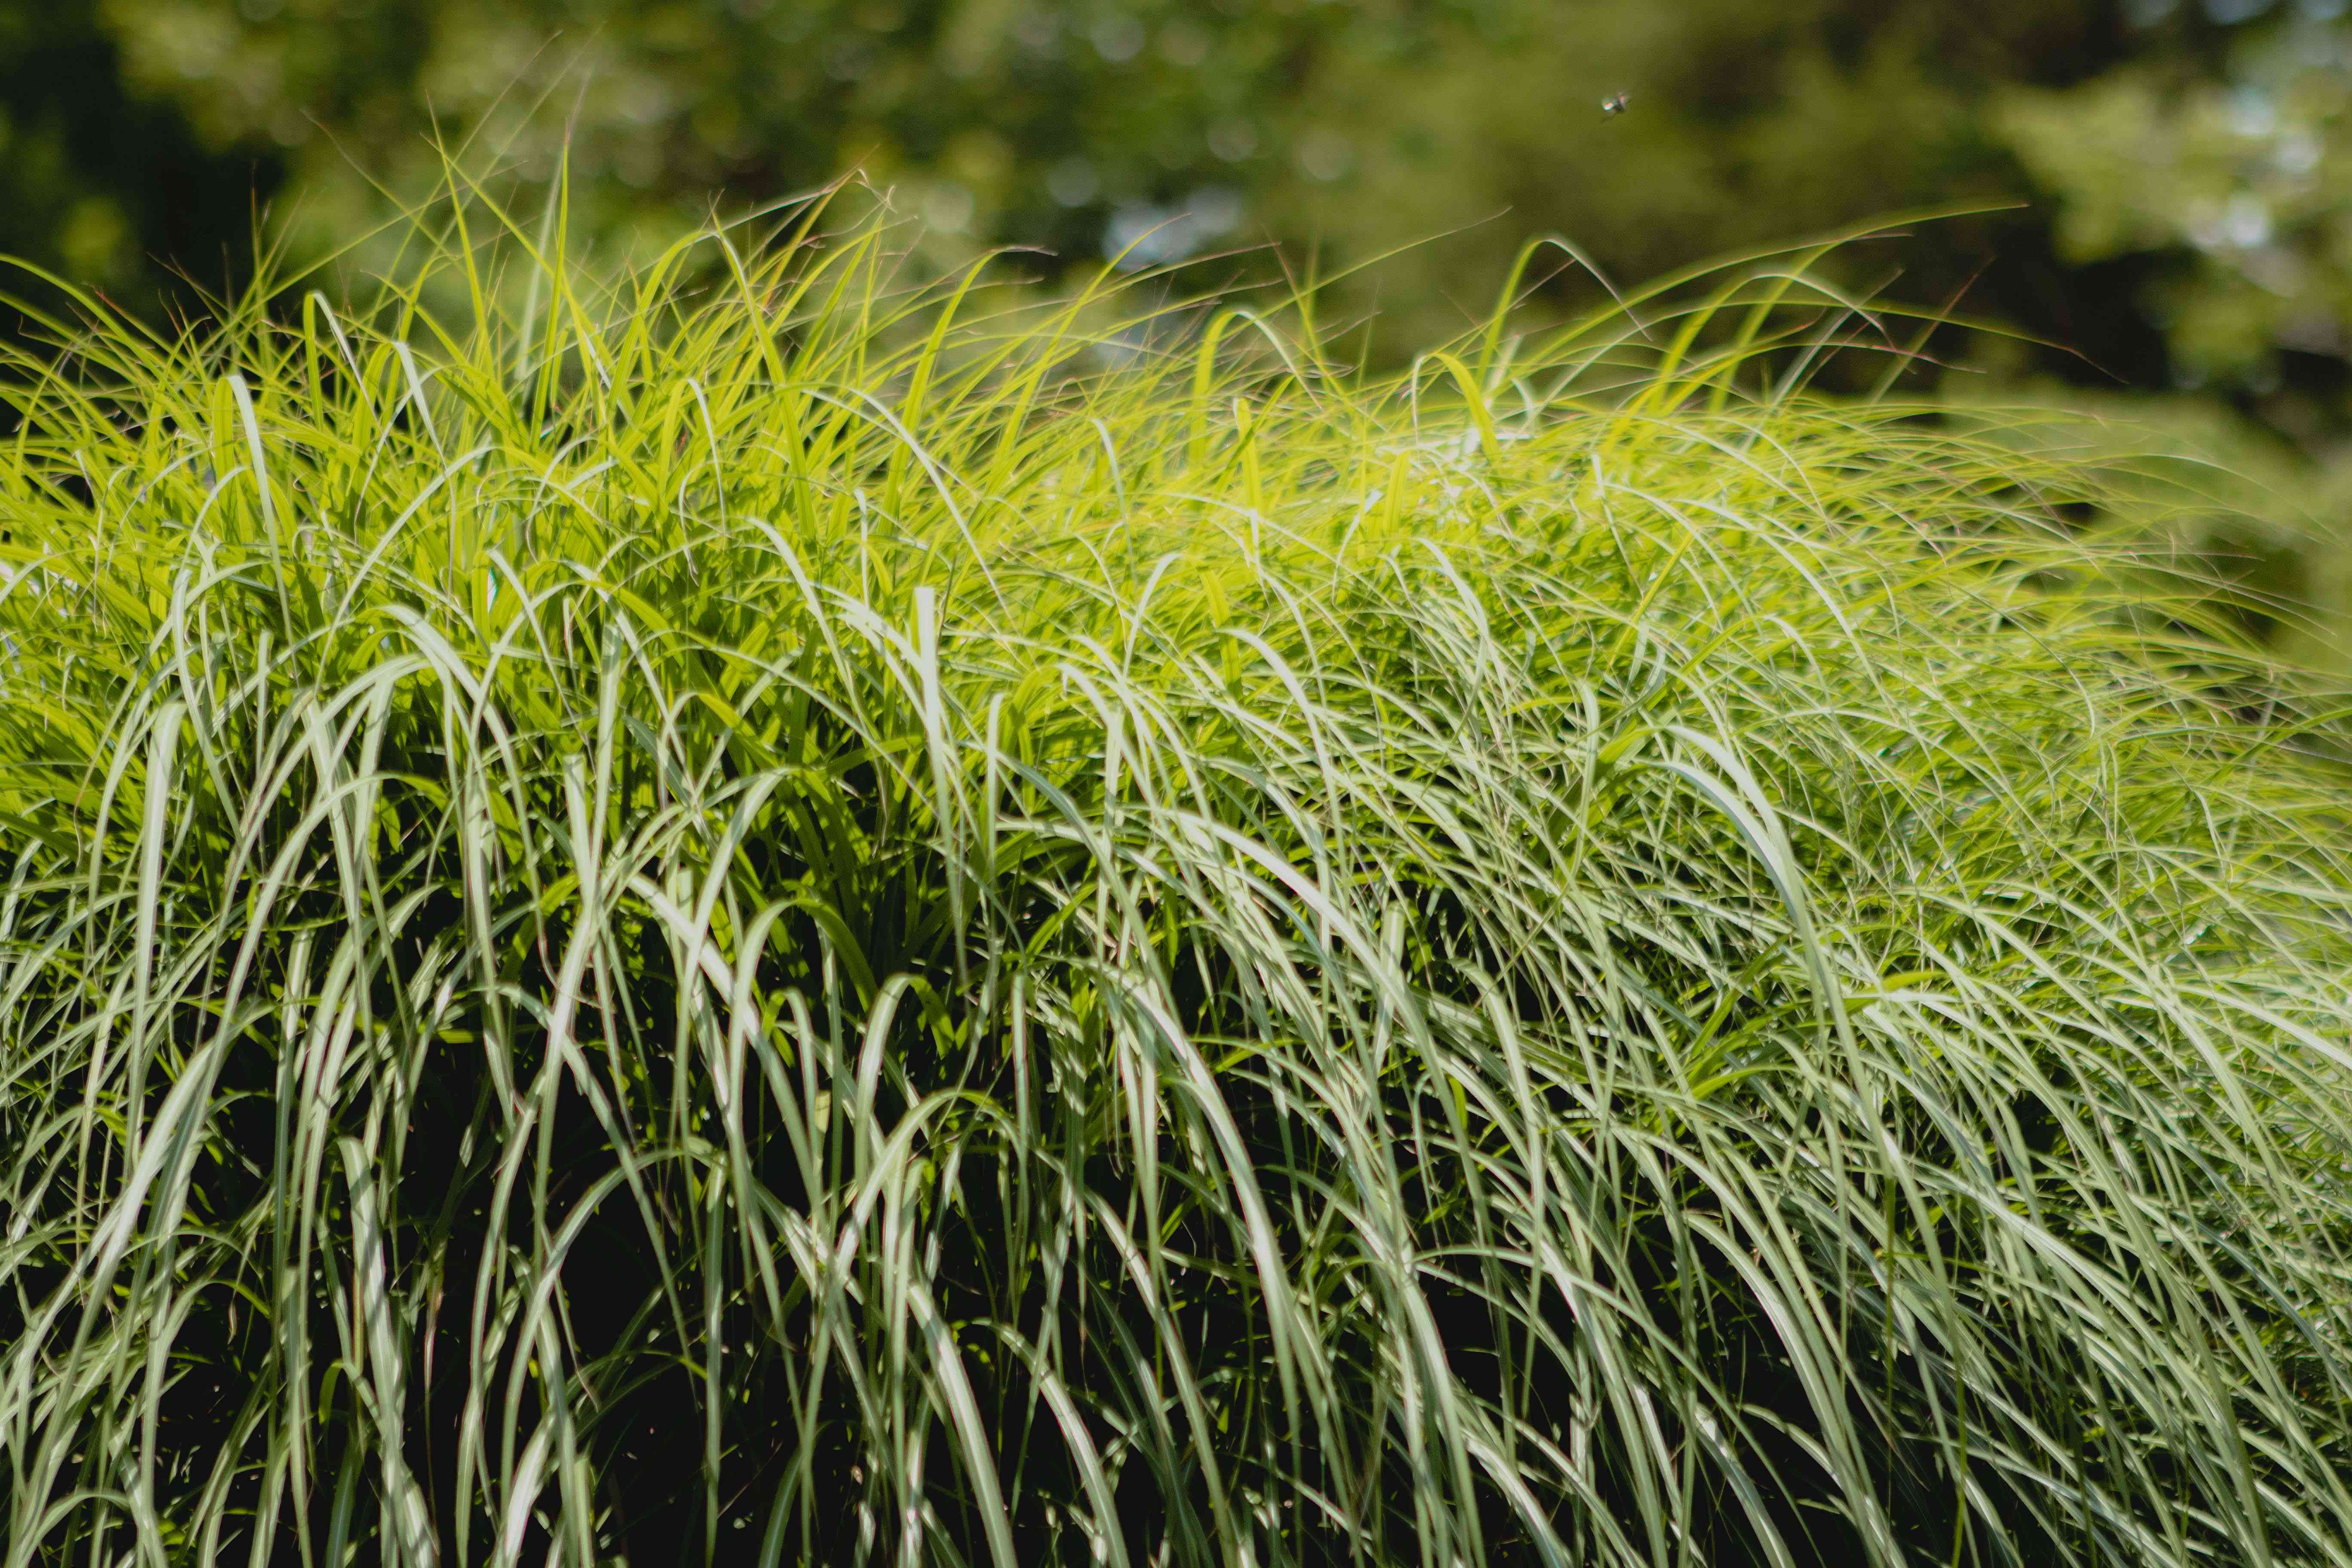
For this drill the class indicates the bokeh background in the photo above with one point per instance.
(2178, 272)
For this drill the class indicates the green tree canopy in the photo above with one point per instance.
(1357, 125)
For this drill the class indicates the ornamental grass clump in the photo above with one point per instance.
(774, 916)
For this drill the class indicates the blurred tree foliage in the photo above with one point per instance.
(101, 181)
(2186, 160)
(2228, 175)
(1172, 125)
(2184, 154)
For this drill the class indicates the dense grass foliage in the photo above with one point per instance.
(785, 921)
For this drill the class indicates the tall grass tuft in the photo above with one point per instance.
(777, 916)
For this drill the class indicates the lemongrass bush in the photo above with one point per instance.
(779, 917)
